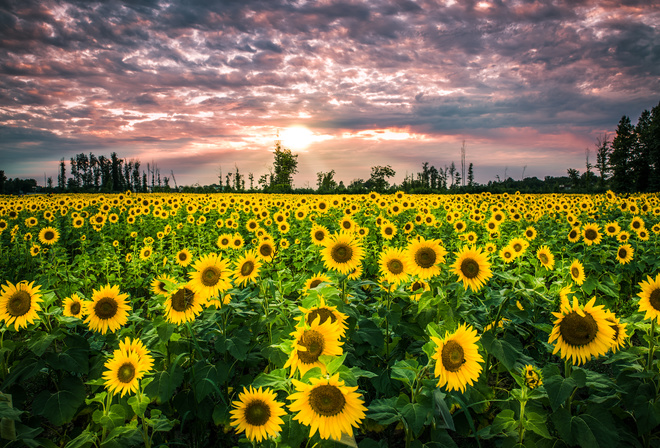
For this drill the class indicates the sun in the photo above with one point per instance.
(296, 137)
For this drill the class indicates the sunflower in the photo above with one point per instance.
(319, 234)
(323, 312)
(159, 284)
(507, 254)
(457, 358)
(591, 234)
(126, 368)
(258, 413)
(266, 250)
(424, 257)
(146, 252)
(472, 267)
(315, 281)
(394, 265)
(73, 306)
(108, 309)
(577, 272)
(649, 298)
(518, 245)
(623, 236)
(35, 250)
(643, 235)
(581, 332)
(417, 288)
(312, 341)
(210, 277)
(612, 228)
(246, 268)
(620, 332)
(19, 303)
(342, 253)
(327, 405)
(530, 233)
(624, 254)
(532, 376)
(636, 224)
(183, 305)
(388, 231)
(545, 257)
(49, 235)
(573, 235)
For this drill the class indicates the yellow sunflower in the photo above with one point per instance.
(581, 332)
(507, 254)
(649, 298)
(620, 332)
(577, 272)
(159, 284)
(35, 250)
(183, 257)
(472, 267)
(266, 250)
(530, 233)
(388, 230)
(545, 257)
(126, 368)
(573, 235)
(612, 228)
(417, 288)
(108, 309)
(312, 341)
(146, 252)
(327, 406)
(319, 234)
(258, 413)
(394, 265)
(183, 305)
(49, 235)
(246, 268)
(532, 377)
(323, 312)
(342, 253)
(425, 257)
(73, 306)
(457, 358)
(19, 303)
(315, 281)
(591, 234)
(624, 254)
(518, 245)
(210, 277)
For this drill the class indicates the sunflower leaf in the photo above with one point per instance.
(61, 406)
(506, 350)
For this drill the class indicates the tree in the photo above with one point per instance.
(61, 177)
(285, 166)
(325, 181)
(574, 176)
(623, 146)
(470, 176)
(3, 179)
(641, 157)
(379, 174)
(602, 158)
(116, 162)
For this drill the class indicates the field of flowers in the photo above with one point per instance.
(369, 321)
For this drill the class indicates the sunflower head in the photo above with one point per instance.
(342, 252)
(532, 376)
(258, 413)
(649, 298)
(108, 309)
(19, 304)
(73, 306)
(472, 268)
(457, 358)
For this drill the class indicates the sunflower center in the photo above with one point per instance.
(636, 225)
(346, 225)
(654, 299)
(388, 230)
(623, 253)
(517, 247)
(183, 256)
(590, 234)
(324, 315)
(247, 268)
(452, 356)
(182, 299)
(611, 229)
(575, 272)
(341, 253)
(126, 372)
(106, 308)
(315, 283)
(19, 303)
(544, 258)
(319, 235)
(470, 268)
(75, 308)
(211, 276)
(314, 343)
(327, 400)
(425, 257)
(578, 330)
(265, 250)
(573, 234)
(395, 266)
(49, 235)
(417, 285)
(257, 413)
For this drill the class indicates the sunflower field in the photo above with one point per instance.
(368, 321)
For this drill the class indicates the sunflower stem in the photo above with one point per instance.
(521, 425)
(651, 345)
(568, 368)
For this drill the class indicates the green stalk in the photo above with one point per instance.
(651, 345)
(521, 427)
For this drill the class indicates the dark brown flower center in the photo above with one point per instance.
(389, 230)
(319, 235)
(578, 330)
(636, 225)
(590, 234)
(341, 253)
(265, 250)
(417, 285)
(573, 234)
(211, 276)
(346, 225)
(623, 253)
(470, 268)
(314, 343)
(75, 308)
(49, 235)
(315, 283)
(183, 256)
(323, 313)
(544, 258)
(425, 257)
(246, 268)
(327, 400)
(611, 229)
(106, 308)
(126, 372)
(575, 272)
(19, 303)
(182, 299)
(395, 266)
(654, 299)
(453, 356)
(257, 413)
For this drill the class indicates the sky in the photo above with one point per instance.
(199, 86)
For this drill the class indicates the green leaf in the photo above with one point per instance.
(332, 363)
(439, 399)
(139, 406)
(504, 422)
(369, 333)
(405, 371)
(239, 344)
(61, 406)
(74, 359)
(115, 418)
(507, 350)
(277, 380)
(603, 427)
(165, 383)
(559, 389)
(11, 413)
(40, 341)
(84, 440)
(384, 411)
(416, 414)
(589, 285)
(208, 377)
(537, 424)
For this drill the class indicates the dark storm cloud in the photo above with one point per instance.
(179, 71)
